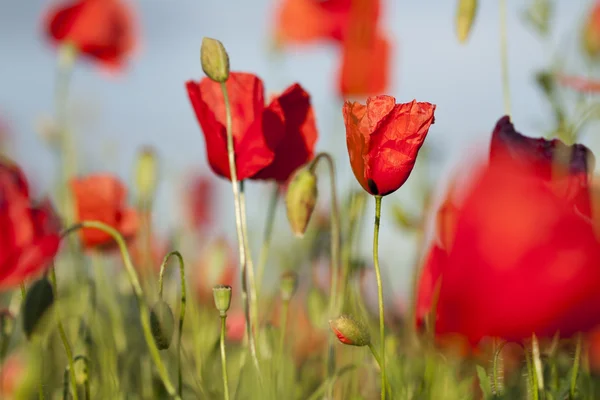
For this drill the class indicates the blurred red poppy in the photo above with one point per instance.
(29, 235)
(383, 140)
(217, 266)
(199, 199)
(302, 21)
(281, 135)
(13, 374)
(102, 197)
(524, 258)
(100, 29)
(579, 84)
(591, 32)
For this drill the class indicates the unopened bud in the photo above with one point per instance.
(39, 299)
(146, 174)
(465, 15)
(82, 373)
(350, 331)
(222, 295)
(300, 200)
(162, 324)
(214, 58)
(289, 284)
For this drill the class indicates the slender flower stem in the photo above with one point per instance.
(537, 362)
(64, 339)
(531, 376)
(576, 362)
(238, 225)
(504, 56)
(250, 265)
(137, 289)
(379, 293)
(497, 367)
(224, 358)
(163, 267)
(378, 360)
(282, 333)
(266, 244)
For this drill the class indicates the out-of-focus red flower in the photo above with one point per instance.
(305, 21)
(524, 258)
(591, 32)
(29, 235)
(199, 201)
(100, 29)
(102, 197)
(270, 142)
(12, 375)
(235, 325)
(579, 84)
(217, 266)
(383, 140)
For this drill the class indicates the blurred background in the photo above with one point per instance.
(146, 103)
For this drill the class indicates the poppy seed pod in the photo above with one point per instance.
(288, 285)
(214, 59)
(162, 324)
(465, 15)
(222, 295)
(300, 200)
(146, 174)
(38, 300)
(350, 331)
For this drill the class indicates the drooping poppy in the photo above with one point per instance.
(281, 135)
(102, 30)
(102, 197)
(524, 259)
(384, 139)
(29, 235)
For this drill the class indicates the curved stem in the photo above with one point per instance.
(137, 289)
(238, 224)
(379, 293)
(63, 338)
(163, 267)
(266, 244)
(504, 57)
(576, 362)
(224, 358)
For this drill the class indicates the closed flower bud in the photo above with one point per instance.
(222, 295)
(214, 58)
(289, 284)
(39, 299)
(465, 15)
(300, 200)
(350, 331)
(162, 324)
(82, 373)
(146, 174)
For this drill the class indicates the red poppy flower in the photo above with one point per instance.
(591, 31)
(579, 84)
(101, 29)
(302, 21)
(199, 199)
(383, 140)
(102, 197)
(281, 135)
(29, 236)
(523, 259)
(218, 266)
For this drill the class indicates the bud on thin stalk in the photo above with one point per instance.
(222, 295)
(146, 174)
(288, 285)
(300, 200)
(162, 324)
(350, 331)
(214, 59)
(465, 15)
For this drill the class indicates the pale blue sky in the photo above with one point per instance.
(148, 104)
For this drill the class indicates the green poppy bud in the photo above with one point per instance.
(289, 284)
(38, 300)
(162, 324)
(350, 331)
(465, 15)
(146, 174)
(300, 200)
(214, 59)
(222, 295)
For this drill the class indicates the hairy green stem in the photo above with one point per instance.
(379, 293)
(537, 362)
(576, 362)
(224, 358)
(64, 339)
(531, 376)
(137, 289)
(497, 367)
(182, 304)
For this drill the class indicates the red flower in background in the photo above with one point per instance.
(591, 32)
(101, 29)
(524, 259)
(579, 84)
(302, 21)
(199, 201)
(29, 235)
(270, 142)
(102, 197)
(217, 266)
(383, 140)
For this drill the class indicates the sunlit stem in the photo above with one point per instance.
(379, 292)
(504, 57)
(224, 358)
(576, 362)
(537, 362)
(253, 295)
(64, 339)
(282, 333)
(137, 289)
(238, 225)
(266, 243)
(163, 267)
